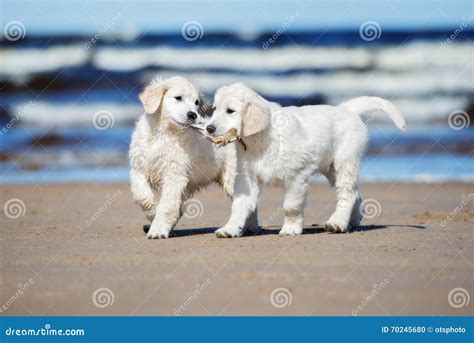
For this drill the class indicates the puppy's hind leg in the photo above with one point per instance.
(143, 193)
(294, 204)
(347, 197)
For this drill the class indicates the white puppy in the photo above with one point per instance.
(287, 145)
(170, 158)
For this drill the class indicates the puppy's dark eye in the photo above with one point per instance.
(179, 98)
(230, 111)
(196, 102)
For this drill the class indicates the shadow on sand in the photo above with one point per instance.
(273, 230)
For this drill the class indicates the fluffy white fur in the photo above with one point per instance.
(287, 145)
(170, 161)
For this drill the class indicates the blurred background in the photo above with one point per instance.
(71, 72)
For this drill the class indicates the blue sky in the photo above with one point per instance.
(87, 16)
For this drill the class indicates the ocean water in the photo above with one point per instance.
(53, 89)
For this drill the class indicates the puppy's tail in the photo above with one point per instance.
(364, 104)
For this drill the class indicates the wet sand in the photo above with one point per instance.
(80, 249)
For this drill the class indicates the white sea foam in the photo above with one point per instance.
(47, 114)
(424, 55)
(250, 59)
(21, 63)
(408, 57)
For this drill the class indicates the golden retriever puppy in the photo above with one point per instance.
(287, 145)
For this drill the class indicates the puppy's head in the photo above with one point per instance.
(175, 99)
(237, 107)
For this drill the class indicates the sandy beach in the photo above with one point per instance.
(80, 249)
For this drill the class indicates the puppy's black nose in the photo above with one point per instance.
(192, 116)
(211, 129)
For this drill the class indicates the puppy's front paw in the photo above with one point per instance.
(291, 230)
(336, 225)
(157, 233)
(228, 232)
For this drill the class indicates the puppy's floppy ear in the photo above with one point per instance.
(255, 116)
(152, 95)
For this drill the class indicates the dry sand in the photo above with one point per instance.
(405, 251)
